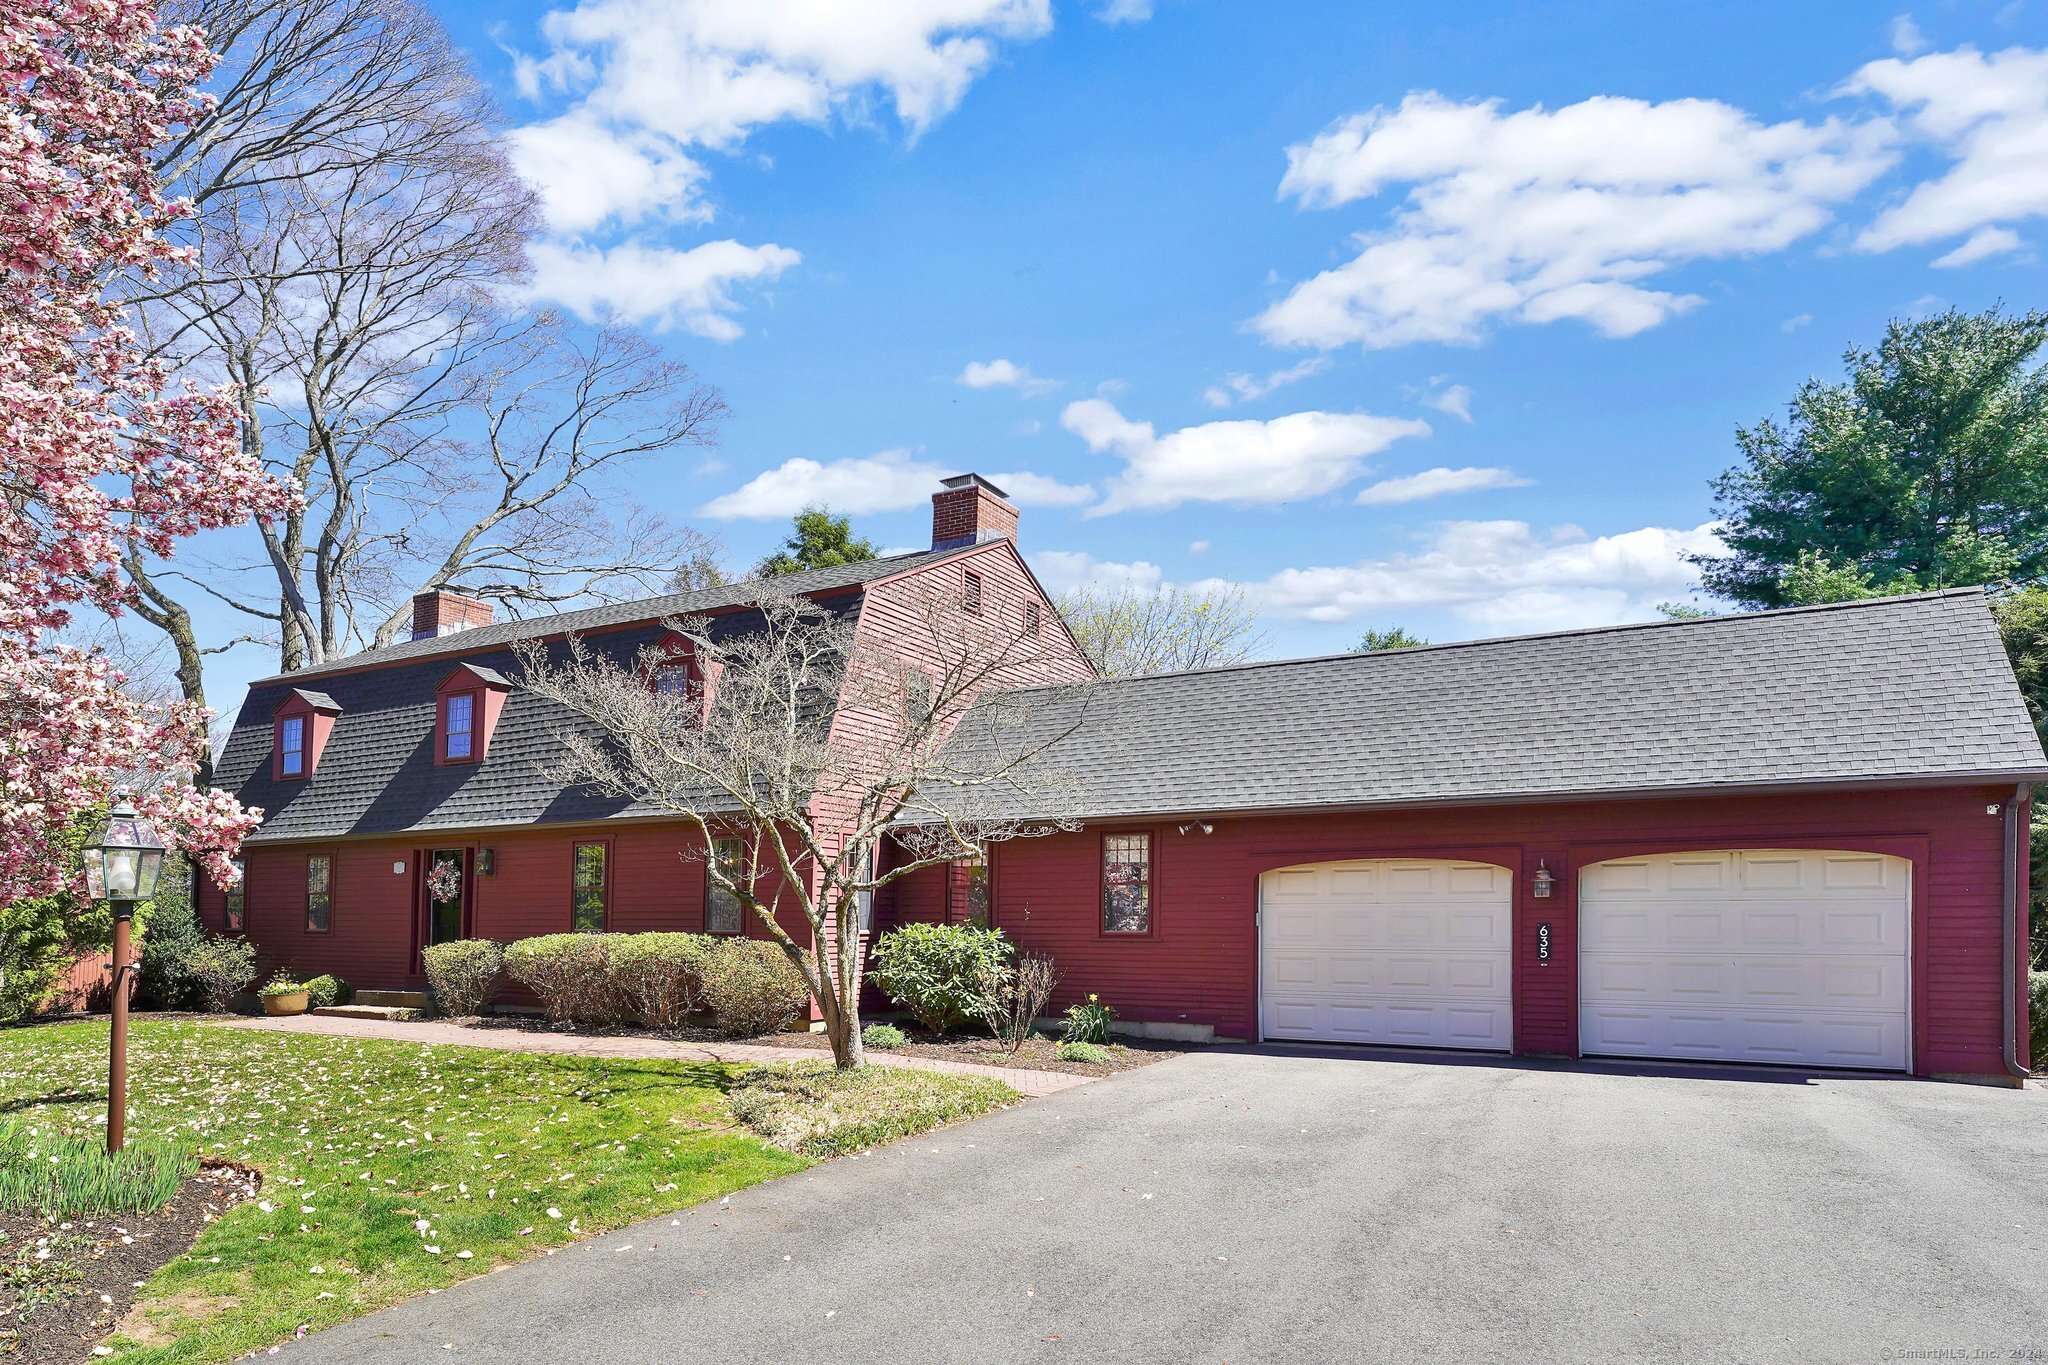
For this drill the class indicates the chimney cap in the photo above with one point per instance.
(970, 480)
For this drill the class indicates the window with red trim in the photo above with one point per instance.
(589, 908)
(458, 727)
(722, 909)
(319, 893)
(1127, 883)
(232, 901)
(291, 746)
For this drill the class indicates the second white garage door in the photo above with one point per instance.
(1756, 955)
(1387, 951)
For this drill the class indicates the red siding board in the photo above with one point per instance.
(1200, 963)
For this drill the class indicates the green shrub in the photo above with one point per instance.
(882, 1036)
(324, 992)
(2037, 1014)
(62, 1177)
(943, 974)
(571, 973)
(659, 976)
(220, 968)
(281, 984)
(1088, 1022)
(1082, 1052)
(169, 935)
(464, 975)
(752, 988)
(818, 1111)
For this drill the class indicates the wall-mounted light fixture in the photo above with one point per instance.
(1540, 889)
(1194, 825)
(487, 861)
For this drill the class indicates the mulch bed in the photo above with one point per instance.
(54, 1307)
(982, 1050)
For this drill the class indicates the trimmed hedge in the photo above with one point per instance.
(571, 973)
(660, 976)
(464, 975)
(943, 974)
(324, 991)
(752, 988)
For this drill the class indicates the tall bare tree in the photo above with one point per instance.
(358, 232)
(810, 746)
(1130, 632)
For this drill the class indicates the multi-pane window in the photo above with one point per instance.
(970, 596)
(967, 887)
(291, 746)
(589, 906)
(1126, 883)
(234, 901)
(319, 892)
(461, 721)
(722, 907)
(673, 680)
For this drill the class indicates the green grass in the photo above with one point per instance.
(57, 1175)
(498, 1154)
(812, 1109)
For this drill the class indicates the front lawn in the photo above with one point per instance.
(389, 1168)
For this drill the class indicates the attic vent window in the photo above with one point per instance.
(1032, 618)
(970, 597)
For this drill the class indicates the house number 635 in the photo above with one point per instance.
(1543, 943)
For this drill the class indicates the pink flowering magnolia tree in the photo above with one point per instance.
(97, 448)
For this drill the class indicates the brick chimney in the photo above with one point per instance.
(968, 510)
(441, 612)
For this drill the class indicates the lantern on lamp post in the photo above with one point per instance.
(121, 868)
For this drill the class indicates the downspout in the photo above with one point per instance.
(2009, 958)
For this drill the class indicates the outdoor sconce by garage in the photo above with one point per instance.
(1540, 888)
(486, 861)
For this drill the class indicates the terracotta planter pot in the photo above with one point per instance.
(295, 1003)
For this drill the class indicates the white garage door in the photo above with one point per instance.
(1749, 956)
(1386, 951)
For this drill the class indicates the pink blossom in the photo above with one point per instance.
(98, 449)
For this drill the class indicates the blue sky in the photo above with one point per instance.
(1496, 282)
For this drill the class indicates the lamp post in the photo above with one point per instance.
(121, 869)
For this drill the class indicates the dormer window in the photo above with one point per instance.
(673, 679)
(302, 723)
(458, 727)
(466, 710)
(678, 670)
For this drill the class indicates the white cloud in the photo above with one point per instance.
(649, 84)
(1198, 547)
(1125, 11)
(1453, 399)
(1301, 455)
(658, 286)
(1989, 114)
(890, 481)
(1437, 483)
(1795, 322)
(1983, 244)
(1245, 388)
(1541, 215)
(588, 174)
(1906, 36)
(1503, 576)
(1071, 570)
(1004, 374)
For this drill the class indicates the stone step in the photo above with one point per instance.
(364, 1011)
(404, 1000)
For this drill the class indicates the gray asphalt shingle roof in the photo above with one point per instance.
(377, 773)
(1904, 689)
(611, 614)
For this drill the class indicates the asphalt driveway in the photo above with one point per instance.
(1306, 1206)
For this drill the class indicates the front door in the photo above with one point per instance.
(446, 887)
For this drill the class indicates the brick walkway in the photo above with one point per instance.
(1026, 1082)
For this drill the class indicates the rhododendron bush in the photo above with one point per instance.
(98, 448)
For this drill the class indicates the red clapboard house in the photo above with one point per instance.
(1792, 837)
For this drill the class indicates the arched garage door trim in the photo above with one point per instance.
(1801, 953)
(1388, 949)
